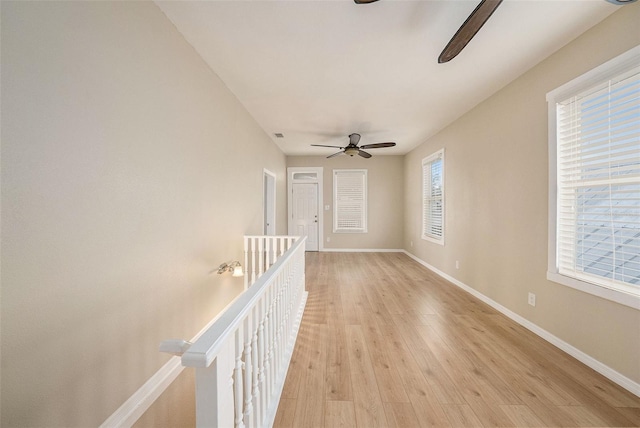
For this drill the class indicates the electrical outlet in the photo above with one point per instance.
(328, 239)
(327, 208)
(531, 299)
(411, 243)
(457, 264)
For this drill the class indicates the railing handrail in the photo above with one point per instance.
(203, 352)
(271, 236)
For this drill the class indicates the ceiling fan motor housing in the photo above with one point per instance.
(351, 151)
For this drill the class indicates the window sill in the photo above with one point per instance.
(434, 240)
(620, 297)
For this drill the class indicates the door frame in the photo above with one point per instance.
(266, 175)
(319, 178)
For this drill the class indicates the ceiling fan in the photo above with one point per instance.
(472, 25)
(467, 30)
(352, 148)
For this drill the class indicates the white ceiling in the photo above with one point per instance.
(317, 71)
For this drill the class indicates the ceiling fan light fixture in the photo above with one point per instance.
(621, 2)
(351, 151)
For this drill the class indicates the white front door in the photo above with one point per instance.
(305, 213)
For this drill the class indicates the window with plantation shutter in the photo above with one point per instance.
(596, 146)
(433, 197)
(350, 200)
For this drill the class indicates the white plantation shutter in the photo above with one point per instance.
(598, 183)
(350, 200)
(433, 197)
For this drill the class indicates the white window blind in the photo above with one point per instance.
(598, 183)
(433, 197)
(350, 200)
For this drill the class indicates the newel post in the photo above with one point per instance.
(214, 390)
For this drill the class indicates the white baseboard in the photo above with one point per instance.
(603, 369)
(361, 250)
(143, 398)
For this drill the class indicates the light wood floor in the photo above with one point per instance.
(385, 342)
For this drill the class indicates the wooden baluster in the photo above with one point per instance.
(285, 313)
(255, 391)
(260, 255)
(274, 340)
(261, 359)
(248, 369)
(265, 253)
(253, 260)
(290, 295)
(246, 262)
(267, 344)
(274, 244)
(238, 385)
(274, 335)
(282, 249)
(278, 335)
(276, 253)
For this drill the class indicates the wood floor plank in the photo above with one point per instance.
(584, 417)
(432, 370)
(577, 386)
(387, 377)
(466, 368)
(400, 415)
(286, 413)
(577, 377)
(338, 385)
(311, 397)
(386, 342)
(339, 414)
(366, 397)
(521, 375)
(299, 360)
(335, 313)
(420, 394)
(521, 415)
(461, 416)
(631, 413)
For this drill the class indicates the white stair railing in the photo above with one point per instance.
(241, 361)
(261, 252)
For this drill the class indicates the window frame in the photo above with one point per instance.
(429, 160)
(365, 201)
(598, 75)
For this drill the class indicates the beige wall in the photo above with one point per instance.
(385, 200)
(124, 182)
(176, 408)
(496, 171)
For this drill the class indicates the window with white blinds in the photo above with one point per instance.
(597, 207)
(350, 200)
(433, 197)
